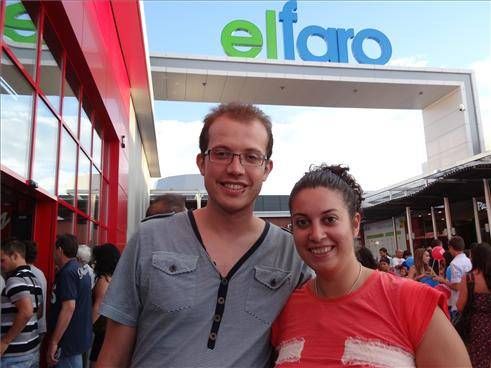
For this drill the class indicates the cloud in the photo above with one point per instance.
(415, 61)
(380, 146)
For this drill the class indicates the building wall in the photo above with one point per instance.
(139, 192)
(447, 132)
(83, 39)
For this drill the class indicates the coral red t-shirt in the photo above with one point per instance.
(379, 325)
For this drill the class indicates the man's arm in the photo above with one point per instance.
(23, 315)
(64, 318)
(117, 349)
(441, 345)
(462, 300)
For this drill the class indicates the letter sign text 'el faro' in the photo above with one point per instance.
(336, 39)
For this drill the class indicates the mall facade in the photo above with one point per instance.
(78, 143)
(76, 120)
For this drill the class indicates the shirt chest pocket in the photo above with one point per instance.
(172, 281)
(268, 293)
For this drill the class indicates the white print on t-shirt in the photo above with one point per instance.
(290, 351)
(375, 353)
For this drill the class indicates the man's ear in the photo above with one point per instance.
(200, 162)
(268, 166)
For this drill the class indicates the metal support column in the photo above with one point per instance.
(448, 218)
(394, 229)
(410, 230)
(198, 200)
(487, 195)
(476, 220)
(433, 223)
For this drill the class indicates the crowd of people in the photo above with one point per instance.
(73, 326)
(220, 287)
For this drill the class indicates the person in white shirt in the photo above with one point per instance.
(398, 259)
(459, 266)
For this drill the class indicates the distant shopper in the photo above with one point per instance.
(70, 320)
(21, 306)
(84, 256)
(398, 259)
(383, 253)
(477, 300)
(366, 258)
(106, 257)
(459, 266)
(31, 256)
(165, 205)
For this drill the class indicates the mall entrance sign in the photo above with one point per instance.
(241, 38)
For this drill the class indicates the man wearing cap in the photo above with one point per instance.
(202, 288)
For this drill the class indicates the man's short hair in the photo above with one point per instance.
(84, 253)
(167, 203)
(68, 244)
(243, 113)
(31, 251)
(457, 243)
(383, 249)
(14, 246)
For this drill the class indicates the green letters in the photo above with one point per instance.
(229, 41)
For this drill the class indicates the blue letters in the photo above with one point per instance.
(336, 40)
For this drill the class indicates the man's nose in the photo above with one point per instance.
(235, 166)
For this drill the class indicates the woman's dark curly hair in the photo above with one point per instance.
(106, 257)
(334, 177)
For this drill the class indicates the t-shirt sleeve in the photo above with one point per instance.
(455, 274)
(17, 289)
(122, 302)
(419, 302)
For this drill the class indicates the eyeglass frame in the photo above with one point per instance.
(239, 155)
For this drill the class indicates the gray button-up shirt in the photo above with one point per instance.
(186, 313)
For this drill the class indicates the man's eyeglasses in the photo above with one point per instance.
(223, 156)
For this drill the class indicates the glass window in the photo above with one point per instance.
(50, 74)
(85, 129)
(95, 193)
(45, 148)
(70, 101)
(82, 228)
(65, 221)
(68, 161)
(16, 117)
(94, 232)
(83, 186)
(97, 149)
(20, 34)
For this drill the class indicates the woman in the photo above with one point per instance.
(106, 258)
(349, 314)
(421, 270)
(479, 344)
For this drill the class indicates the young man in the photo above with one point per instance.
(459, 266)
(202, 288)
(22, 301)
(70, 318)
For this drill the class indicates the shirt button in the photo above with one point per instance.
(213, 336)
(221, 300)
(172, 268)
(217, 318)
(273, 282)
(224, 282)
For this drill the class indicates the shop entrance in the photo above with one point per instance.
(17, 217)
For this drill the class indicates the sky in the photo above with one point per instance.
(381, 147)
